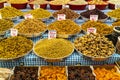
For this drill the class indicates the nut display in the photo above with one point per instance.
(114, 13)
(70, 14)
(10, 12)
(31, 27)
(80, 73)
(14, 47)
(53, 48)
(53, 73)
(65, 27)
(94, 45)
(106, 74)
(59, 2)
(100, 2)
(78, 2)
(25, 73)
(5, 25)
(96, 11)
(18, 1)
(4, 73)
(102, 28)
(116, 23)
(38, 2)
(39, 13)
(114, 1)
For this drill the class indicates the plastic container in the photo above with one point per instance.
(19, 6)
(111, 6)
(55, 7)
(2, 4)
(77, 7)
(101, 7)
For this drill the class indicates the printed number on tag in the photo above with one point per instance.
(91, 7)
(93, 17)
(91, 30)
(13, 32)
(28, 16)
(61, 17)
(52, 34)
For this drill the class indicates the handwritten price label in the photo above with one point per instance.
(117, 6)
(28, 16)
(7, 4)
(36, 6)
(13, 32)
(91, 7)
(91, 30)
(93, 17)
(52, 34)
(65, 6)
(61, 17)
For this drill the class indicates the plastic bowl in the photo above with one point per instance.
(101, 7)
(111, 6)
(2, 4)
(44, 6)
(55, 7)
(77, 7)
(19, 6)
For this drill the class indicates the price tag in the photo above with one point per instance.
(91, 7)
(65, 6)
(61, 17)
(52, 34)
(13, 32)
(28, 16)
(93, 17)
(117, 6)
(91, 30)
(7, 4)
(36, 6)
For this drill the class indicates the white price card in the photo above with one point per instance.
(52, 34)
(28, 16)
(36, 6)
(7, 4)
(13, 32)
(61, 17)
(91, 7)
(117, 6)
(93, 17)
(91, 30)
(65, 6)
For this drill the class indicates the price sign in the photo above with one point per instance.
(28, 16)
(65, 6)
(52, 34)
(61, 17)
(7, 4)
(93, 17)
(36, 6)
(91, 7)
(13, 32)
(117, 6)
(91, 30)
